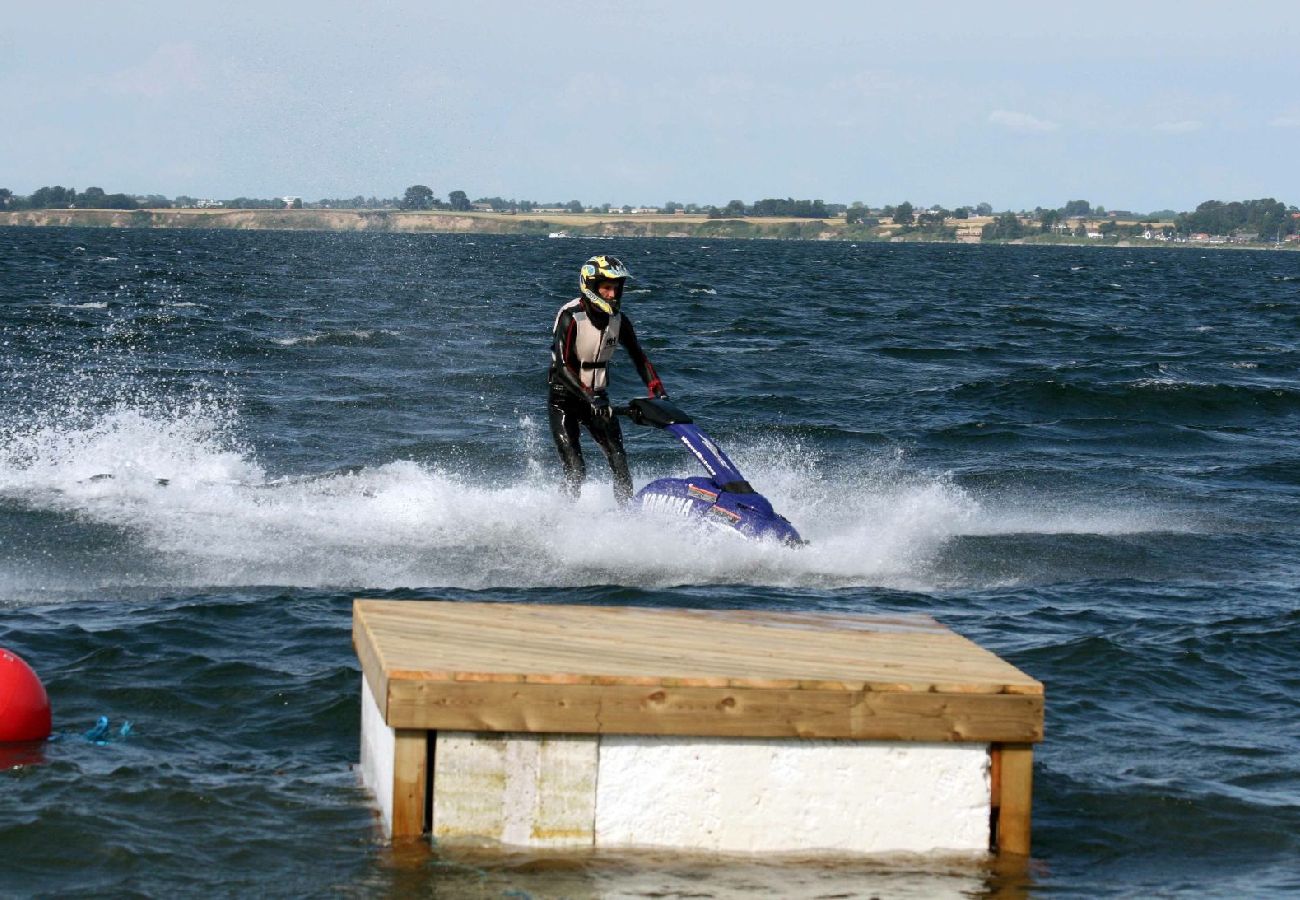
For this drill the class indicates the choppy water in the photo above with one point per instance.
(1086, 460)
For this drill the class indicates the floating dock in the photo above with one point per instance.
(543, 725)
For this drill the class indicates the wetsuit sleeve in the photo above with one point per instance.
(627, 337)
(564, 362)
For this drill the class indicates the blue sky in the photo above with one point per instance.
(1130, 105)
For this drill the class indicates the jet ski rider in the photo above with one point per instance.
(586, 333)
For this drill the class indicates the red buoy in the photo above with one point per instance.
(24, 706)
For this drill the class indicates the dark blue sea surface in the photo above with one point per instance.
(1086, 460)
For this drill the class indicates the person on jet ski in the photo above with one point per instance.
(587, 331)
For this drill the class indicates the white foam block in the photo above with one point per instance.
(751, 795)
(378, 754)
(532, 790)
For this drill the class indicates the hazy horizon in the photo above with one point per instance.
(1136, 108)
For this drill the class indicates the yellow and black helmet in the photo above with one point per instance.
(598, 269)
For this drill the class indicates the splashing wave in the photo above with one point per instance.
(175, 485)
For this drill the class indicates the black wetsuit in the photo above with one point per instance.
(582, 343)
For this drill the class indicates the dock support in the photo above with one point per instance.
(410, 782)
(395, 767)
(1013, 789)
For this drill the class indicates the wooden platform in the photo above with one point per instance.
(596, 670)
(620, 670)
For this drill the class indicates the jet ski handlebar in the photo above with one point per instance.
(653, 411)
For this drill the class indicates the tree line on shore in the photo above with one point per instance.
(1249, 220)
(1264, 219)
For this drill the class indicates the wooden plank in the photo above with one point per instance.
(372, 667)
(995, 774)
(729, 712)
(538, 643)
(463, 645)
(740, 651)
(410, 782)
(1015, 798)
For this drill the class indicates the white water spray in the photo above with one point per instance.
(185, 493)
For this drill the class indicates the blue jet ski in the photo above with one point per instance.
(724, 499)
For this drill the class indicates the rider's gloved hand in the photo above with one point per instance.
(600, 408)
(656, 389)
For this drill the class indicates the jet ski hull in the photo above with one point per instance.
(701, 499)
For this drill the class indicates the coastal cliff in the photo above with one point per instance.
(431, 222)
(254, 219)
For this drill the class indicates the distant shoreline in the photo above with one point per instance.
(570, 225)
(437, 222)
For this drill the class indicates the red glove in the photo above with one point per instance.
(656, 389)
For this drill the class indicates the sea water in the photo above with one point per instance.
(1084, 459)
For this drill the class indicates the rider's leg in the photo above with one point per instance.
(562, 410)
